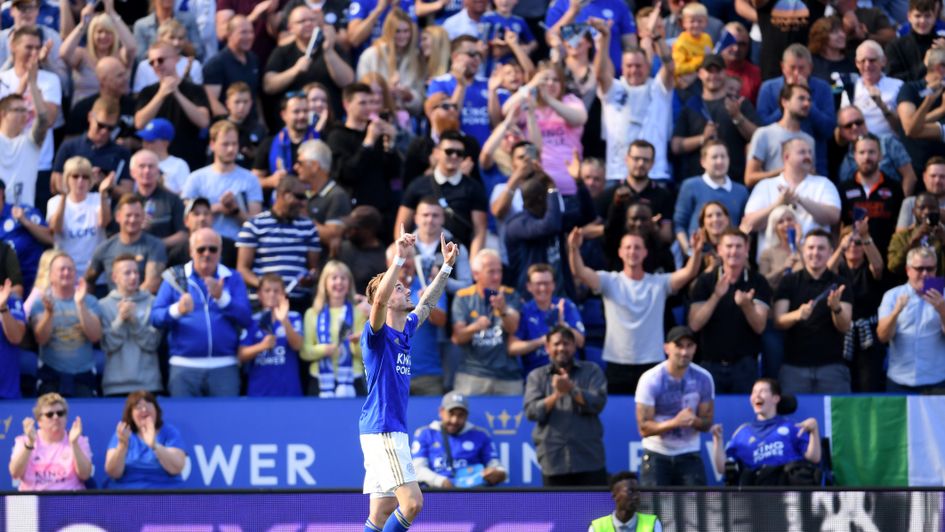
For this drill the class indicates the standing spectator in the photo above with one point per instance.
(366, 19)
(675, 402)
(539, 316)
(926, 231)
(635, 106)
(729, 309)
(907, 52)
(469, 21)
(870, 193)
(51, 458)
(894, 160)
(362, 249)
(270, 346)
(264, 16)
(445, 451)
(48, 14)
(435, 51)
(20, 149)
(464, 88)
(918, 103)
(912, 320)
(780, 254)
(533, 235)
(814, 197)
(112, 76)
(203, 316)
(737, 63)
(396, 57)
(66, 325)
(177, 100)
(239, 102)
(234, 192)
(780, 28)
(328, 203)
(442, 116)
(106, 35)
(564, 399)
(128, 339)
(148, 250)
(485, 315)
(933, 181)
(198, 215)
(24, 14)
(163, 210)
(815, 308)
(12, 331)
(156, 137)
(634, 303)
(144, 452)
(234, 63)
(429, 218)
(277, 154)
(874, 93)
(764, 151)
(817, 119)
(689, 48)
(146, 28)
(828, 48)
(614, 14)
(77, 218)
(281, 241)
(24, 229)
(97, 146)
(321, 114)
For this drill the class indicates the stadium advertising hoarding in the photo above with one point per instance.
(313, 443)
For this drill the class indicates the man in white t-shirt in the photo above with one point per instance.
(814, 198)
(635, 106)
(634, 303)
(20, 147)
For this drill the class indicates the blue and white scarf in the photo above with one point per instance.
(330, 382)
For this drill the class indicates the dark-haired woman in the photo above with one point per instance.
(144, 453)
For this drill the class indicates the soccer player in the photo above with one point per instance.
(385, 345)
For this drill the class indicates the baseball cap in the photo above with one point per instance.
(363, 217)
(189, 206)
(454, 400)
(713, 60)
(679, 332)
(156, 129)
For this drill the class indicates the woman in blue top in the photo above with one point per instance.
(144, 452)
(771, 440)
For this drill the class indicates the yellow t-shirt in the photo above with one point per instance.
(688, 52)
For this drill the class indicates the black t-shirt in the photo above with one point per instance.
(224, 69)
(165, 210)
(867, 291)
(660, 199)
(363, 262)
(329, 203)
(284, 57)
(919, 150)
(906, 56)
(251, 133)
(814, 341)
(781, 28)
(692, 121)
(727, 336)
(462, 199)
(189, 143)
(78, 122)
(881, 204)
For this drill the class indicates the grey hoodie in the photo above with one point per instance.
(131, 361)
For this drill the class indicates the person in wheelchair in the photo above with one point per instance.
(772, 450)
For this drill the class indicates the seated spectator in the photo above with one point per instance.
(396, 57)
(428, 219)
(533, 235)
(362, 248)
(41, 283)
(157, 137)
(129, 341)
(389, 108)
(177, 100)
(51, 458)
(926, 231)
(907, 52)
(912, 320)
(675, 401)
(828, 48)
(815, 307)
(104, 154)
(874, 93)
(933, 181)
(763, 448)
(465, 88)
(234, 192)
(870, 194)
(277, 154)
(328, 203)
(737, 63)
(862, 23)
(469, 22)
(144, 452)
(321, 115)
(765, 157)
(564, 399)
(894, 160)
(78, 218)
(639, 218)
(236, 62)
(440, 11)
(148, 250)
(202, 316)
(612, 14)
(484, 316)
(540, 315)
(713, 115)
(713, 185)
(112, 76)
(283, 241)
(105, 35)
(689, 47)
(729, 310)
(186, 66)
(269, 347)
(331, 342)
(714, 219)
(434, 51)
(163, 210)
(65, 326)
(454, 453)
(780, 252)
(238, 103)
(634, 303)
(146, 29)
(916, 100)
(198, 215)
(508, 36)
(12, 331)
(25, 230)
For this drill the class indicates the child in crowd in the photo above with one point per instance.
(270, 347)
(508, 36)
(692, 44)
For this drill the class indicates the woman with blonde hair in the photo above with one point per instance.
(332, 329)
(780, 253)
(174, 33)
(78, 217)
(434, 52)
(106, 35)
(395, 55)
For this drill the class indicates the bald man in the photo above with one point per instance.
(112, 77)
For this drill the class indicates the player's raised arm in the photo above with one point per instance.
(384, 289)
(432, 294)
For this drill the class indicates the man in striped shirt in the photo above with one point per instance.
(284, 241)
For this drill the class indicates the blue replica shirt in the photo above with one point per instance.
(475, 118)
(28, 249)
(424, 346)
(142, 468)
(492, 25)
(386, 356)
(472, 446)
(274, 372)
(536, 323)
(451, 8)
(615, 10)
(773, 442)
(10, 354)
(360, 9)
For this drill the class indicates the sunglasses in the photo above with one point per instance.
(86, 177)
(856, 123)
(923, 269)
(448, 106)
(55, 413)
(207, 249)
(477, 55)
(301, 196)
(450, 152)
(157, 61)
(105, 125)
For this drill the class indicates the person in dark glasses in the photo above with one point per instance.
(51, 457)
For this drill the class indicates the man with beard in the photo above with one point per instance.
(871, 190)
(465, 88)
(624, 490)
(278, 154)
(764, 151)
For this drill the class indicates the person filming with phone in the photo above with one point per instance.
(912, 320)
(926, 231)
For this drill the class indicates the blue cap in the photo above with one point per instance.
(157, 129)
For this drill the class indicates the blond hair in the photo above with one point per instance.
(332, 267)
(439, 61)
(695, 9)
(49, 399)
(101, 21)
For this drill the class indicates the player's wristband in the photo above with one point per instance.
(447, 269)
(399, 261)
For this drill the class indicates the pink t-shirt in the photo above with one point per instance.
(558, 140)
(51, 466)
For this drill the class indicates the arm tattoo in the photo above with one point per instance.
(431, 296)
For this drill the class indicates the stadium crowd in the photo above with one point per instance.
(197, 192)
